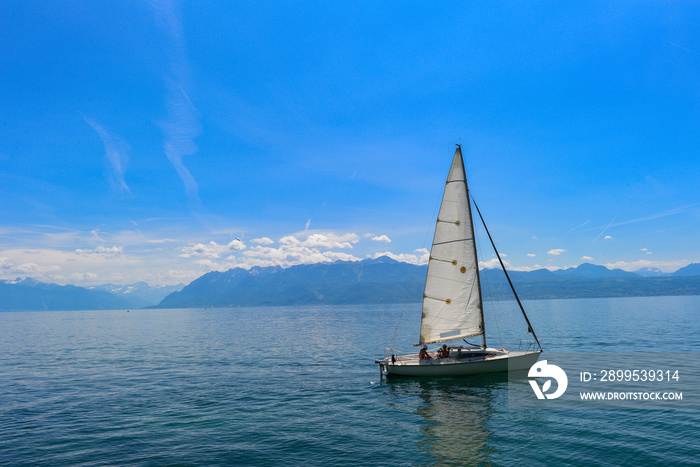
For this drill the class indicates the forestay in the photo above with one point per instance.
(452, 306)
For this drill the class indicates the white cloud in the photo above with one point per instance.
(556, 252)
(62, 267)
(531, 255)
(5, 263)
(644, 249)
(179, 275)
(83, 276)
(236, 245)
(493, 263)
(289, 240)
(381, 238)
(338, 256)
(586, 258)
(328, 240)
(210, 265)
(102, 252)
(290, 254)
(263, 241)
(419, 257)
(34, 269)
(607, 237)
(161, 240)
(208, 250)
(315, 248)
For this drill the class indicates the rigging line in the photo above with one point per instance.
(393, 338)
(488, 287)
(529, 326)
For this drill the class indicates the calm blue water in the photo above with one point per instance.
(298, 386)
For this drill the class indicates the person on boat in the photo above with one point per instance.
(423, 354)
(443, 352)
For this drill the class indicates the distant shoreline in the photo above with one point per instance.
(599, 288)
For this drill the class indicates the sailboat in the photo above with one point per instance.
(452, 303)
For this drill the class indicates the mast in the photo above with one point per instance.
(529, 326)
(476, 257)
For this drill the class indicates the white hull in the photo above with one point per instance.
(495, 362)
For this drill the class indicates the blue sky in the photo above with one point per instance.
(161, 140)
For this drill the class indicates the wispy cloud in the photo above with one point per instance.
(658, 215)
(182, 124)
(49, 236)
(180, 129)
(116, 153)
(576, 228)
(556, 252)
(681, 47)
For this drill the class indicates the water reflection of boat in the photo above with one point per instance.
(457, 414)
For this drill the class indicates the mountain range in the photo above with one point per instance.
(29, 294)
(386, 280)
(381, 280)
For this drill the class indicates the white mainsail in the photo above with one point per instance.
(452, 307)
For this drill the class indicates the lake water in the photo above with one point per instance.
(298, 386)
